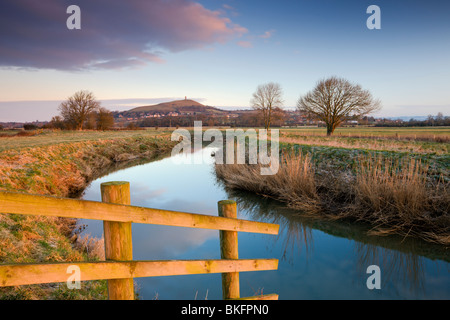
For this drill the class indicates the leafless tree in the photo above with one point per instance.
(335, 100)
(266, 98)
(76, 109)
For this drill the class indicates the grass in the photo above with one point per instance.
(392, 190)
(419, 140)
(39, 138)
(64, 167)
(62, 164)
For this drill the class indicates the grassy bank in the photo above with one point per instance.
(63, 168)
(394, 191)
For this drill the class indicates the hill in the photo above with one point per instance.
(185, 106)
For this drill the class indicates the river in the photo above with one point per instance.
(317, 259)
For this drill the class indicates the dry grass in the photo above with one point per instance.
(425, 134)
(94, 247)
(368, 142)
(294, 183)
(27, 239)
(64, 169)
(397, 197)
(16, 140)
(392, 197)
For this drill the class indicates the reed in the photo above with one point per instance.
(397, 197)
(294, 182)
(393, 196)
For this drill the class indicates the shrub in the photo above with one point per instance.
(30, 126)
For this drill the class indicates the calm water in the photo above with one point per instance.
(317, 260)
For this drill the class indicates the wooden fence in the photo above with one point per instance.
(119, 268)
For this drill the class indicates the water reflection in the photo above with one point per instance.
(295, 233)
(163, 242)
(401, 267)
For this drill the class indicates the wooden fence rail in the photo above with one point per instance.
(120, 268)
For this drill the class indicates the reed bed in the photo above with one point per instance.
(398, 198)
(294, 183)
(393, 196)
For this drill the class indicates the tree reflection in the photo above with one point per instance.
(294, 231)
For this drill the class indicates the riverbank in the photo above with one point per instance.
(63, 168)
(394, 192)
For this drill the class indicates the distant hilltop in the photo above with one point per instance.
(181, 107)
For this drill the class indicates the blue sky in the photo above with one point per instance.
(217, 52)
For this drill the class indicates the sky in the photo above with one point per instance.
(140, 52)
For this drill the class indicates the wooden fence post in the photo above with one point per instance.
(229, 250)
(118, 240)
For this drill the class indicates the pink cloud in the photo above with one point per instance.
(113, 34)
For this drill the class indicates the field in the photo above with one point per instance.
(39, 138)
(385, 132)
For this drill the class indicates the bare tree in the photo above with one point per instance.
(335, 100)
(266, 98)
(76, 109)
